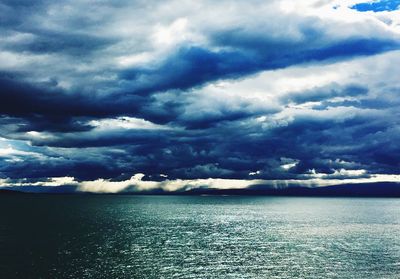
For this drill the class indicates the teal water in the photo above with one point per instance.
(198, 237)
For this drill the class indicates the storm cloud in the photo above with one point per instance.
(178, 95)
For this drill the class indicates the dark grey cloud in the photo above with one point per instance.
(106, 90)
(71, 44)
(194, 66)
(22, 98)
(326, 93)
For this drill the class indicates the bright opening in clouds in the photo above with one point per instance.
(110, 96)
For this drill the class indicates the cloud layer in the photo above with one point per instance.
(185, 92)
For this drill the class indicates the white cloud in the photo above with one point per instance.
(289, 165)
(135, 183)
(47, 182)
(107, 186)
(11, 152)
(124, 123)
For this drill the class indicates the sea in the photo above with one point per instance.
(117, 236)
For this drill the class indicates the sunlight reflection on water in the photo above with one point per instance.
(198, 237)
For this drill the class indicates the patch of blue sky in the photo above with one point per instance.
(378, 6)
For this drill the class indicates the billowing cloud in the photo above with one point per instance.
(198, 94)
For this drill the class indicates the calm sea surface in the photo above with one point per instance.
(198, 237)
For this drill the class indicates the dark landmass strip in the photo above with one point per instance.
(382, 189)
(40, 190)
(10, 192)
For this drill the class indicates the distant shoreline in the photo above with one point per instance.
(383, 189)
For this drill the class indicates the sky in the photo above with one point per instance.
(110, 96)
